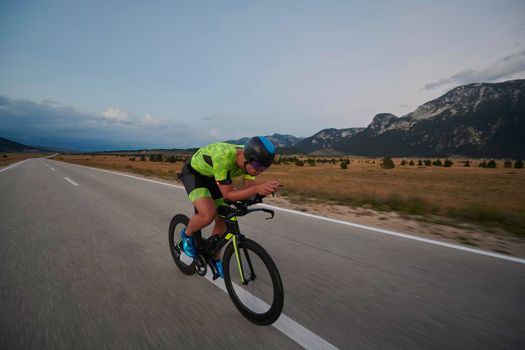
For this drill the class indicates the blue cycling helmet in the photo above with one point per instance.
(260, 150)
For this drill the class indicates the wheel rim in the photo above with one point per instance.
(258, 295)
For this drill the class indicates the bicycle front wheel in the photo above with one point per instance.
(260, 298)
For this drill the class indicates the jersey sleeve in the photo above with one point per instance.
(249, 177)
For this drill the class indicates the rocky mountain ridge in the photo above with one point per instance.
(478, 120)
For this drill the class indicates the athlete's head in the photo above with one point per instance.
(259, 152)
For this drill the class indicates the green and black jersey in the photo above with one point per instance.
(218, 160)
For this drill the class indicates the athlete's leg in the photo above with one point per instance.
(206, 212)
(219, 229)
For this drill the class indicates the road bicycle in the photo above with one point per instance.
(250, 275)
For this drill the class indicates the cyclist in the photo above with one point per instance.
(207, 177)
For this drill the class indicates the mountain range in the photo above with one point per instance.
(476, 120)
(12, 146)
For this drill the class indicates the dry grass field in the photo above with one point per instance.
(10, 158)
(163, 170)
(490, 197)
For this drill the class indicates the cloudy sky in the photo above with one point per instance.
(131, 74)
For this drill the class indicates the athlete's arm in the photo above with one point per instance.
(247, 183)
(264, 189)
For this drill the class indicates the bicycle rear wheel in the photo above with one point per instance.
(183, 262)
(261, 300)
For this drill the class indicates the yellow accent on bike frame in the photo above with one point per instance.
(229, 236)
(238, 258)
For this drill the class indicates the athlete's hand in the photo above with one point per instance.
(267, 188)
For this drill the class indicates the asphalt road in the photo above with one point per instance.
(88, 266)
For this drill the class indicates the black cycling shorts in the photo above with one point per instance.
(199, 186)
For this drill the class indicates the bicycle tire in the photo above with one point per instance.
(276, 307)
(173, 234)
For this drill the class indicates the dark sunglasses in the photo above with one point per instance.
(258, 165)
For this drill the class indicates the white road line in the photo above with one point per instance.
(53, 169)
(402, 235)
(71, 181)
(369, 228)
(293, 330)
(126, 175)
(13, 165)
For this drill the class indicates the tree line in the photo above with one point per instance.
(385, 162)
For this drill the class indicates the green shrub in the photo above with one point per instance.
(428, 162)
(403, 162)
(466, 163)
(4, 156)
(299, 162)
(155, 158)
(132, 159)
(411, 162)
(448, 163)
(142, 158)
(492, 164)
(343, 165)
(483, 164)
(518, 164)
(420, 163)
(388, 163)
(507, 164)
(437, 162)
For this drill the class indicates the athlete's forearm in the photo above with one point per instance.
(248, 183)
(241, 194)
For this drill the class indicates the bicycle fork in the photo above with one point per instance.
(244, 280)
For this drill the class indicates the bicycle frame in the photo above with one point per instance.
(207, 248)
(233, 234)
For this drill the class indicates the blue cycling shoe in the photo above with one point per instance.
(187, 244)
(218, 267)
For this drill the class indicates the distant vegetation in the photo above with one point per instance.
(302, 160)
(388, 163)
(447, 188)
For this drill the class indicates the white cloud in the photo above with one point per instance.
(503, 68)
(148, 119)
(115, 114)
(62, 126)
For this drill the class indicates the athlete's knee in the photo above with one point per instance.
(205, 210)
(208, 215)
